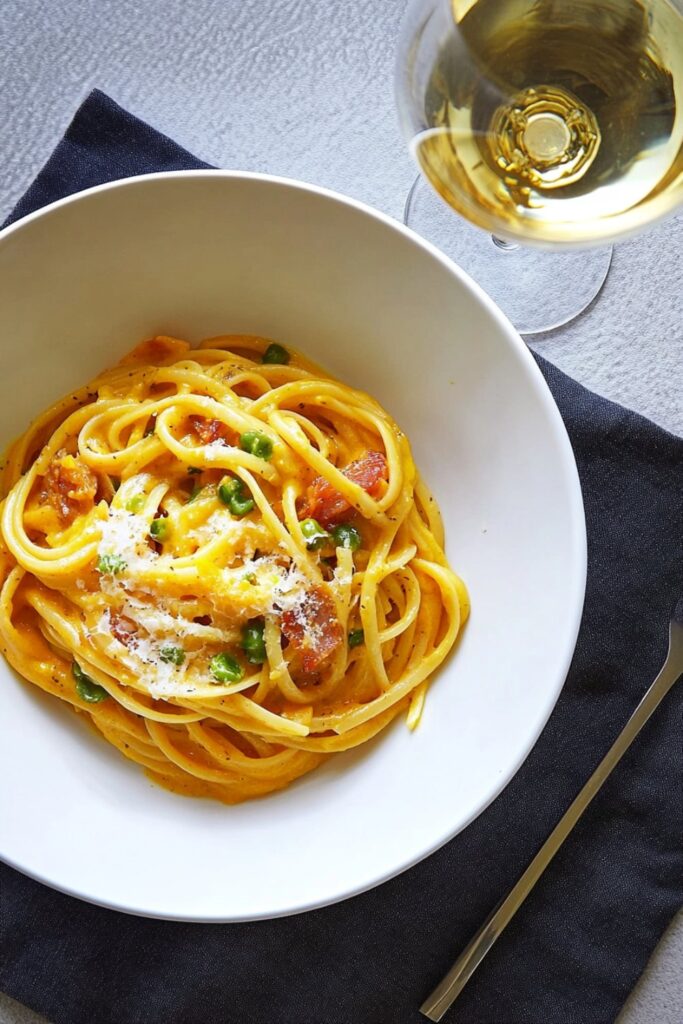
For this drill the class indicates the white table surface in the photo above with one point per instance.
(303, 88)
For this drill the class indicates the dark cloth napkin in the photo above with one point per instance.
(581, 940)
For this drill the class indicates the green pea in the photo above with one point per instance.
(346, 536)
(228, 488)
(233, 493)
(356, 637)
(86, 689)
(194, 493)
(172, 655)
(241, 505)
(225, 669)
(136, 503)
(256, 443)
(159, 529)
(276, 354)
(253, 642)
(315, 536)
(111, 565)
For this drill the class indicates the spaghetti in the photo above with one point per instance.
(225, 559)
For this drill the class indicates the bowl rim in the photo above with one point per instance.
(576, 594)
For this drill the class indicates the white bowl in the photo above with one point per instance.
(203, 253)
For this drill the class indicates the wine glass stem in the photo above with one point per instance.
(523, 281)
(502, 244)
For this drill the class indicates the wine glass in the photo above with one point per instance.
(555, 125)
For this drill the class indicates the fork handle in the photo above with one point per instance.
(464, 967)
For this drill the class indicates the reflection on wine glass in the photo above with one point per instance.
(553, 123)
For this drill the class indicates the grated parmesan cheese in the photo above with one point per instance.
(290, 591)
(278, 586)
(125, 534)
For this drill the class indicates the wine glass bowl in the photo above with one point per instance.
(554, 124)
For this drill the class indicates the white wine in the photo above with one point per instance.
(556, 121)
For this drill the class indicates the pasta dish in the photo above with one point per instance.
(226, 560)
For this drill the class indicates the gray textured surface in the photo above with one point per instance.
(303, 88)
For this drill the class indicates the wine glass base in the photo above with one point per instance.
(537, 289)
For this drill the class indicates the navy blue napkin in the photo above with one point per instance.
(578, 945)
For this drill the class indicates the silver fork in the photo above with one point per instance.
(464, 967)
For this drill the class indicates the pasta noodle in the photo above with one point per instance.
(226, 561)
